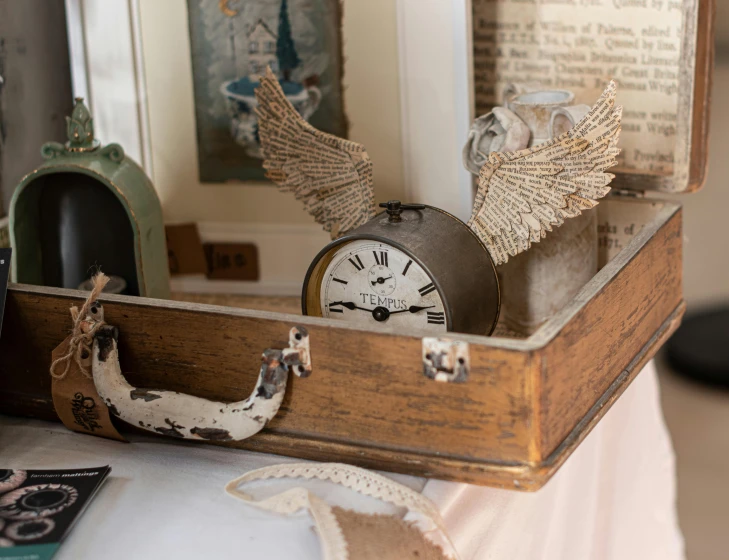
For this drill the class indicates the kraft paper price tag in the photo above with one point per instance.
(77, 402)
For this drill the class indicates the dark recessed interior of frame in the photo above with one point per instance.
(68, 225)
(626, 216)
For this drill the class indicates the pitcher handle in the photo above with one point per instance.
(572, 114)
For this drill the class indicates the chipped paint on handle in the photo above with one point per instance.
(189, 417)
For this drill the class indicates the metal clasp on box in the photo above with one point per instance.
(298, 355)
(446, 360)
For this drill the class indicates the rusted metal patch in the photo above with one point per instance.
(212, 434)
(298, 355)
(446, 360)
(111, 407)
(105, 337)
(273, 374)
(173, 430)
(144, 394)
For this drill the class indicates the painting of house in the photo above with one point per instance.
(232, 43)
(261, 50)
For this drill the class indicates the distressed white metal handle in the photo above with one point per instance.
(186, 416)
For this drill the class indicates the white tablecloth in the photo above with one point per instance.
(614, 499)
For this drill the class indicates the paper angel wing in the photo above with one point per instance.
(522, 195)
(330, 175)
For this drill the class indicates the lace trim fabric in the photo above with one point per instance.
(421, 511)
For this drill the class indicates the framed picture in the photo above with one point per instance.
(232, 44)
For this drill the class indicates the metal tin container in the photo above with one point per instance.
(453, 257)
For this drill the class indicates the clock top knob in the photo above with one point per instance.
(395, 208)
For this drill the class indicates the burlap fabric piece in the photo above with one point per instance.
(384, 537)
(350, 535)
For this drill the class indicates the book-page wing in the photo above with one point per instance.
(525, 194)
(330, 175)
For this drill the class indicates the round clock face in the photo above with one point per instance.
(368, 283)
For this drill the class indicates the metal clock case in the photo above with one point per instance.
(453, 258)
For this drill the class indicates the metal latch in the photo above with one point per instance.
(298, 355)
(446, 360)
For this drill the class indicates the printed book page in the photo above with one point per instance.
(579, 45)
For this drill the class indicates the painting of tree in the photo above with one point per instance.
(288, 59)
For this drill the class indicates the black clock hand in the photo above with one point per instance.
(380, 280)
(412, 309)
(379, 314)
(349, 305)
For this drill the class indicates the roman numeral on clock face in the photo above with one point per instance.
(335, 309)
(425, 290)
(405, 270)
(340, 281)
(357, 263)
(382, 258)
(436, 317)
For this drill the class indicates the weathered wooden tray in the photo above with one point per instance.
(526, 404)
(525, 407)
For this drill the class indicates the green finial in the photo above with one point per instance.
(81, 141)
(80, 128)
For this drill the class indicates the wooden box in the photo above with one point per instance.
(527, 404)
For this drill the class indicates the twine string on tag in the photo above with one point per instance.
(82, 335)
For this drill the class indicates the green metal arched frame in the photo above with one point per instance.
(82, 154)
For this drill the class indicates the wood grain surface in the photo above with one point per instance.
(703, 79)
(526, 405)
(608, 332)
(275, 304)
